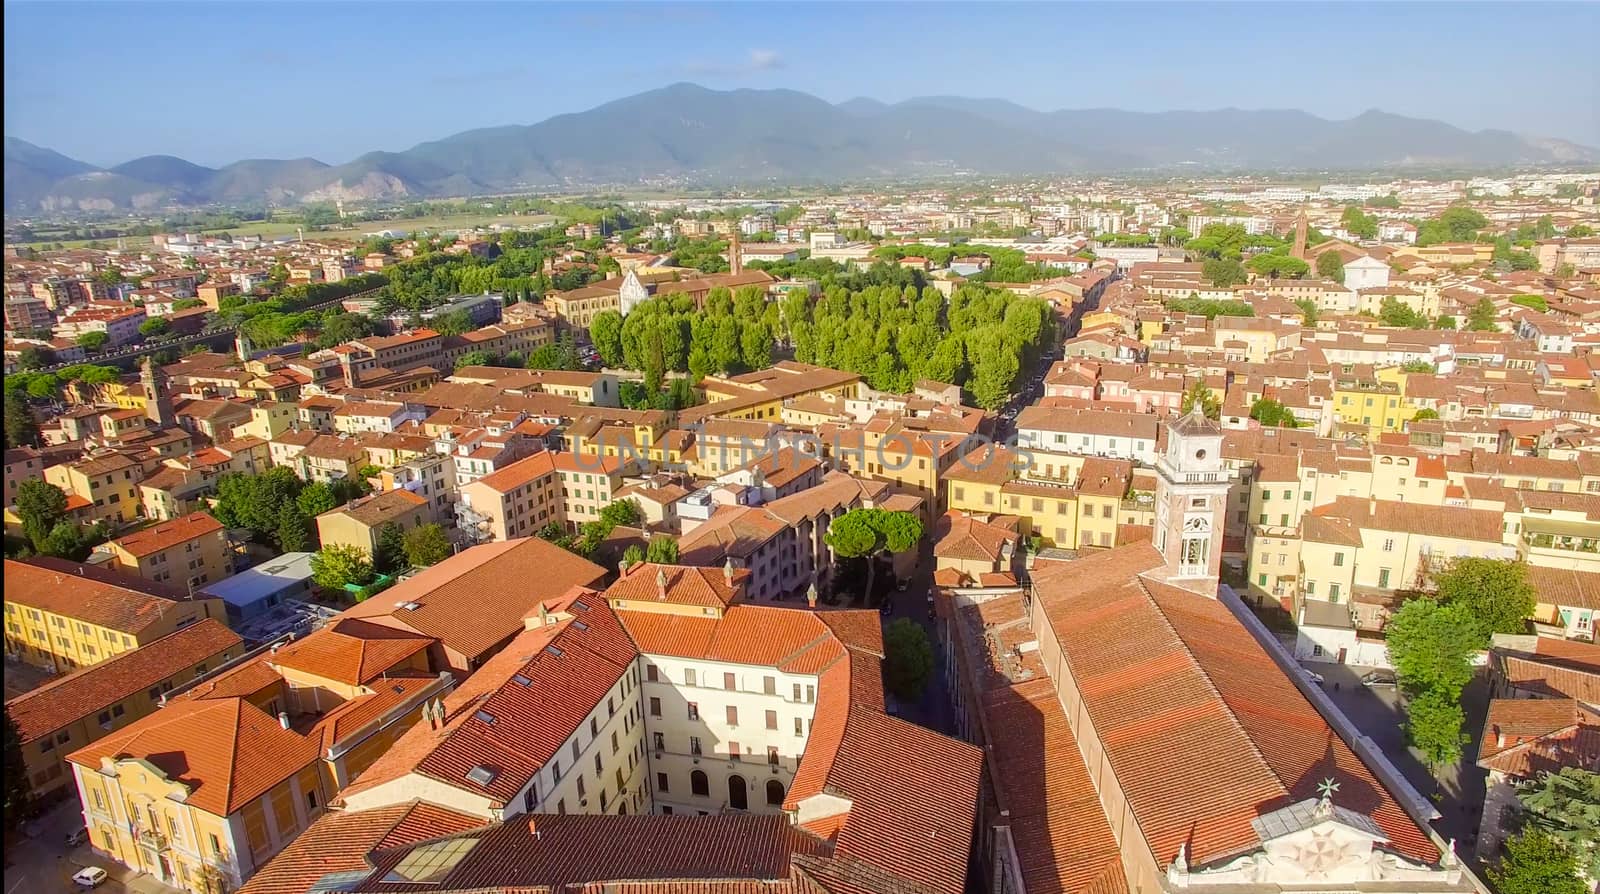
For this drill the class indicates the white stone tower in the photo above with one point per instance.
(1191, 498)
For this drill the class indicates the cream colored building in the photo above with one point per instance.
(187, 552)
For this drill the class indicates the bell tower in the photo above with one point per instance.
(1191, 499)
(157, 404)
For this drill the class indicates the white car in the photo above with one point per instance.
(89, 877)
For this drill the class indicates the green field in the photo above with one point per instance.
(356, 232)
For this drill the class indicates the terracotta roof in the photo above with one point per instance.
(228, 751)
(82, 693)
(1523, 737)
(1203, 730)
(245, 680)
(963, 537)
(684, 585)
(1566, 587)
(788, 639)
(465, 602)
(515, 475)
(350, 651)
(88, 593)
(340, 842)
(166, 535)
(380, 509)
(1063, 842)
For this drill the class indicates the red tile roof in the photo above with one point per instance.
(59, 702)
(465, 601)
(340, 842)
(1203, 730)
(1523, 737)
(684, 585)
(228, 751)
(166, 535)
(88, 593)
(350, 651)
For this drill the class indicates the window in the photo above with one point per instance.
(651, 674)
(1333, 592)
(689, 677)
(694, 746)
(772, 720)
(698, 784)
(772, 755)
(769, 685)
(799, 727)
(733, 716)
(1383, 577)
(734, 752)
(811, 694)
(311, 800)
(1316, 650)
(797, 692)
(1388, 545)
(1338, 560)
(661, 783)
(655, 707)
(660, 741)
(694, 711)
(730, 682)
(774, 792)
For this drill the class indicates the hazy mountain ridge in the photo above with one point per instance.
(689, 134)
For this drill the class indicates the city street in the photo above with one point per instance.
(38, 860)
(1458, 790)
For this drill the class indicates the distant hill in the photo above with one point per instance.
(691, 135)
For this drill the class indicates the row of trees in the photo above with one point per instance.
(891, 335)
(278, 507)
(1433, 638)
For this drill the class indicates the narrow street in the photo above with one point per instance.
(39, 860)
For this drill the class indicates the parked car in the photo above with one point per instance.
(89, 877)
(1314, 677)
(77, 836)
(1379, 678)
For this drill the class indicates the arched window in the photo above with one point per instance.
(736, 793)
(774, 792)
(698, 784)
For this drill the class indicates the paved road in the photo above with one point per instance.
(935, 709)
(40, 861)
(1458, 790)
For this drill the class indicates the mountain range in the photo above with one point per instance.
(687, 135)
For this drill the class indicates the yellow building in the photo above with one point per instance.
(358, 523)
(109, 485)
(62, 616)
(187, 552)
(71, 711)
(761, 394)
(268, 419)
(1372, 400)
(206, 790)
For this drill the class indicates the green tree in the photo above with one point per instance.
(620, 512)
(1393, 312)
(1580, 231)
(1224, 272)
(334, 566)
(1433, 725)
(633, 555)
(342, 327)
(389, 554)
(1495, 592)
(1536, 863)
(1272, 414)
(21, 428)
(907, 659)
(19, 790)
(547, 357)
(1309, 309)
(1330, 266)
(663, 550)
(1431, 646)
(1418, 366)
(869, 533)
(426, 545)
(35, 357)
(317, 497)
(1482, 316)
(606, 333)
(1444, 321)
(1274, 266)
(294, 532)
(755, 346)
(1199, 393)
(456, 322)
(93, 341)
(1425, 413)
(1358, 223)
(256, 501)
(1566, 806)
(155, 327)
(40, 507)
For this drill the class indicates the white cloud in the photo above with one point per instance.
(755, 61)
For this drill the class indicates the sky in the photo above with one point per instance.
(218, 82)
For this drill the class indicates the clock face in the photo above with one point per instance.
(1196, 524)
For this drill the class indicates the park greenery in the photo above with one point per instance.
(877, 323)
(1272, 414)
(1565, 806)
(871, 533)
(1432, 640)
(1211, 308)
(908, 659)
(279, 508)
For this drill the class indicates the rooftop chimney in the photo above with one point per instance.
(661, 583)
(1499, 737)
(811, 595)
(727, 572)
(283, 719)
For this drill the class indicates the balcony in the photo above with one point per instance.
(151, 840)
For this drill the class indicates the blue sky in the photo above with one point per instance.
(218, 82)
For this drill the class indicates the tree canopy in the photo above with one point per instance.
(1200, 393)
(1270, 413)
(908, 659)
(1566, 806)
(1495, 593)
(1536, 863)
(426, 545)
(332, 567)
